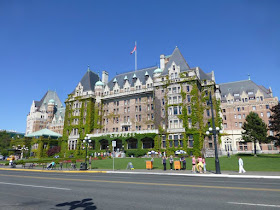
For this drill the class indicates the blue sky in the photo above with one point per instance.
(48, 44)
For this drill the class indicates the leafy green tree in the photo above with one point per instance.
(254, 130)
(5, 140)
(275, 123)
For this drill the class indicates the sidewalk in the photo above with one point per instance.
(225, 174)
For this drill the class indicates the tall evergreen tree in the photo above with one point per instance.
(275, 123)
(254, 130)
(5, 140)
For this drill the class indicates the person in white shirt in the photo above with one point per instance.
(240, 163)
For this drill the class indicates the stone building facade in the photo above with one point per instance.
(238, 99)
(47, 113)
(160, 108)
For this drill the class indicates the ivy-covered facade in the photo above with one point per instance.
(157, 108)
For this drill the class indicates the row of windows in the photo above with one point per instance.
(242, 108)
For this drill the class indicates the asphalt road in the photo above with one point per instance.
(33, 190)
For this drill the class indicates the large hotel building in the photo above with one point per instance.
(162, 108)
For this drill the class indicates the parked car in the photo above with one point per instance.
(180, 152)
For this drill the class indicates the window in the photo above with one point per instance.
(189, 98)
(239, 116)
(190, 140)
(175, 110)
(261, 114)
(162, 101)
(238, 109)
(268, 114)
(224, 117)
(224, 110)
(225, 125)
(240, 124)
(267, 106)
(189, 110)
(208, 113)
(139, 108)
(254, 107)
(188, 88)
(235, 124)
(243, 115)
(175, 140)
(235, 116)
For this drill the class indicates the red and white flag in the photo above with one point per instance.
(134, 49)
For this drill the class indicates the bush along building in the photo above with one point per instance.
(157, 108)
(238, 99)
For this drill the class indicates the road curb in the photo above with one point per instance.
(50, 171)
(202, 175)
(151, 173)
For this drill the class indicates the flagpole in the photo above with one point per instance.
(135, 57)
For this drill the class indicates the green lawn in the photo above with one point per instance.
(251, 163)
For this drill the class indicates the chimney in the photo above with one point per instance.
(105, 77)
(162, 63)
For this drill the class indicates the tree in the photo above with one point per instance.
(53, 151)
(5, 140)
(254, 130)
(275, 123)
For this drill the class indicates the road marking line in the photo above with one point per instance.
(255, 204)
(27, 185)
(147, 183)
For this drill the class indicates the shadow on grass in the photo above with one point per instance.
(85, 204)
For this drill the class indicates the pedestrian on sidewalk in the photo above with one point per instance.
(89, 162)
(164, 163)
(171, 162)
(193, 164)
(204, 164)
(240, 163)
(199, 164)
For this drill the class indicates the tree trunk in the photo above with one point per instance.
(255, 148)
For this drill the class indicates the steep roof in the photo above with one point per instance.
(49, 95)
(88, 81)
(44, 132)
(240, 86)
(140, 74)
(178, 59)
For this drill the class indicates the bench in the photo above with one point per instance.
(28, 165)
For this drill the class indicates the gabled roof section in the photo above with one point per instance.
(44, 132)
(140, 74)
(178, 59)
(50, 95)
(88, 81)
(240, 86)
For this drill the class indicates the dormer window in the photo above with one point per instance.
(174, 67)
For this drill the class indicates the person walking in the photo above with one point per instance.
(164, 163)
(240, 163)
(193, 164)
(199, 164)
(171, 162)
(89, 162)
(204, 165)
(183, 159)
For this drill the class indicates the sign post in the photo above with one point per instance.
(114, 145)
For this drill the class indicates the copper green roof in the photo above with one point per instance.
(44, 132)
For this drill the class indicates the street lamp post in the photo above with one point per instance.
(215, 130)
(86, 141)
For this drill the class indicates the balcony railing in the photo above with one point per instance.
(133, 92)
